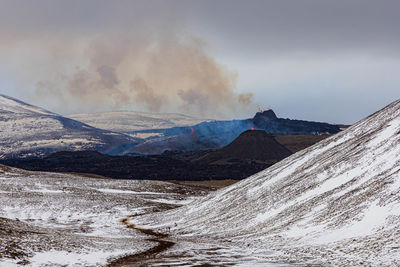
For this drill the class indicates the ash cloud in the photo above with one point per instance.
(142, 93)
(142, 60)
(167, 73)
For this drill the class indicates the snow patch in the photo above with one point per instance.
(62, 258)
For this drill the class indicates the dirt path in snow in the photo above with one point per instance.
(135, 259)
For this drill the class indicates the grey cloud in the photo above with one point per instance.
(311, 25)
(160, 53)
(254, 27)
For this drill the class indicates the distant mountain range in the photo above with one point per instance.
(28, 131)
(132, 121)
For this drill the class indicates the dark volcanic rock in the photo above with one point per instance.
(156, 167)
(252, 152)
(269, 122)
(262, 118)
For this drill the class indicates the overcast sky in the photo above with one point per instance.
(335, 61)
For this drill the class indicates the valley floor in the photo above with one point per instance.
(49, 219)
(53, 219)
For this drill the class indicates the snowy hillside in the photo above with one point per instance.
(337, 202)
(27, 130)
(12, 105)
(53, 219)
(129, 121)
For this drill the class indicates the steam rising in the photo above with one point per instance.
(168, 72)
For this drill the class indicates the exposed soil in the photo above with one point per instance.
(251, 145)
(136, 259)
(299, 142)
(16, 236)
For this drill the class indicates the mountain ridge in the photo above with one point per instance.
(30, 131)
(130, 121)
(11, 104)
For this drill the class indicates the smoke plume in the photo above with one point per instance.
(165, 73)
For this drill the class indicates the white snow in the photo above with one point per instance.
(373, 218)
(29, 131)
(81, 215)
(117, 191)
(340, 195)
(174, 201)
(335, 203)
(45, 191)
(387, 133)
(63, 258)
(10, 104)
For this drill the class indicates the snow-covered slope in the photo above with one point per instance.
(12, 105)
(129, 121)
(26, 130)
(337, 202)
(54, 219)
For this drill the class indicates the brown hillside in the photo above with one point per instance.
(299, 142)
(251, 145)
